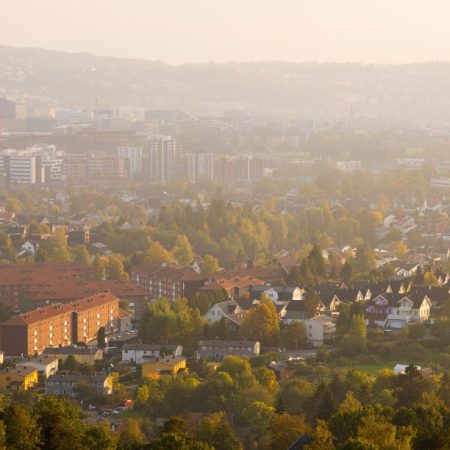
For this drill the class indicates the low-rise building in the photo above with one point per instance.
(141, 353)
(219, 349)
(320, 330)
(18, 378)
(170, 365)
(46, 365)
(67, 384)
(83, 355)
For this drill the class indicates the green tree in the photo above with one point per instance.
(259, 416)
(116, 269)
(157, 254)
(261, 323)
(383, 435)
(131, 436)
(293, 336)
(101, 338)
(22, 429)
(347, 272)
(61, 425)
(217, 432)
(322, 438)
(100, 266)
(240, 371)
(182, 251)
(173, 441)
(285, 429)
(209, 265)
(100, 437)
(81, 255)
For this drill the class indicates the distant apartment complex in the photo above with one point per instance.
(41, 284)
(165, 281)
(162, 159)
(134, 157)
(200, 166)
(59, 324)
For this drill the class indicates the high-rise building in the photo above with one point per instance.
(22, 166)
(200, 166)
(11, 110)
(107, 167)
(134, 157)
(7, 109)
(162, 159)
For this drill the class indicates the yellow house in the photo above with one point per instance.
(19, 378)
(169, 365)
(83, 355)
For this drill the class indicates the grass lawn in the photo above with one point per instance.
(373, 369)
(131, 414)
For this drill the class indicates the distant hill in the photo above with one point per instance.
(415, 93)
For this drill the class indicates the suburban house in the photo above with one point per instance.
(169, 365)
(320, 330)
(277, 293)
(295, 311)
(238, 286)
(67, 384)
(397, 310)
(405, 269)
(18, 378)
(407, 310)
(219, 310)
(298, 310)
(219, 349)
(141, 353)
(83, 355)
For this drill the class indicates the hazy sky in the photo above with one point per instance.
(247, 30)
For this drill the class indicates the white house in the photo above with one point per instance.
(27, 249)
(406, 311)
(219, 310)
(277, 293)
(140, 353)
(319, 330)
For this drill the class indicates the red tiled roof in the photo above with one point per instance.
(172, 273)
(40, 314)
(35, 274)
(94, 300)
(47, 312)
(269, 273)
(73, 289)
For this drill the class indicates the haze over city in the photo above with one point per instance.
(178, 31)
(224, 225)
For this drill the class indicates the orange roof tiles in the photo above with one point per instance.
(47, 312)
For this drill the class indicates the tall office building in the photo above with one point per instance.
(162, 159)
(7, 109)
(11, 110)
(200, 166)
(134, 157)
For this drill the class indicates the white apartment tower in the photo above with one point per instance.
(134, 157)
(200, 166)
(162, 158)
